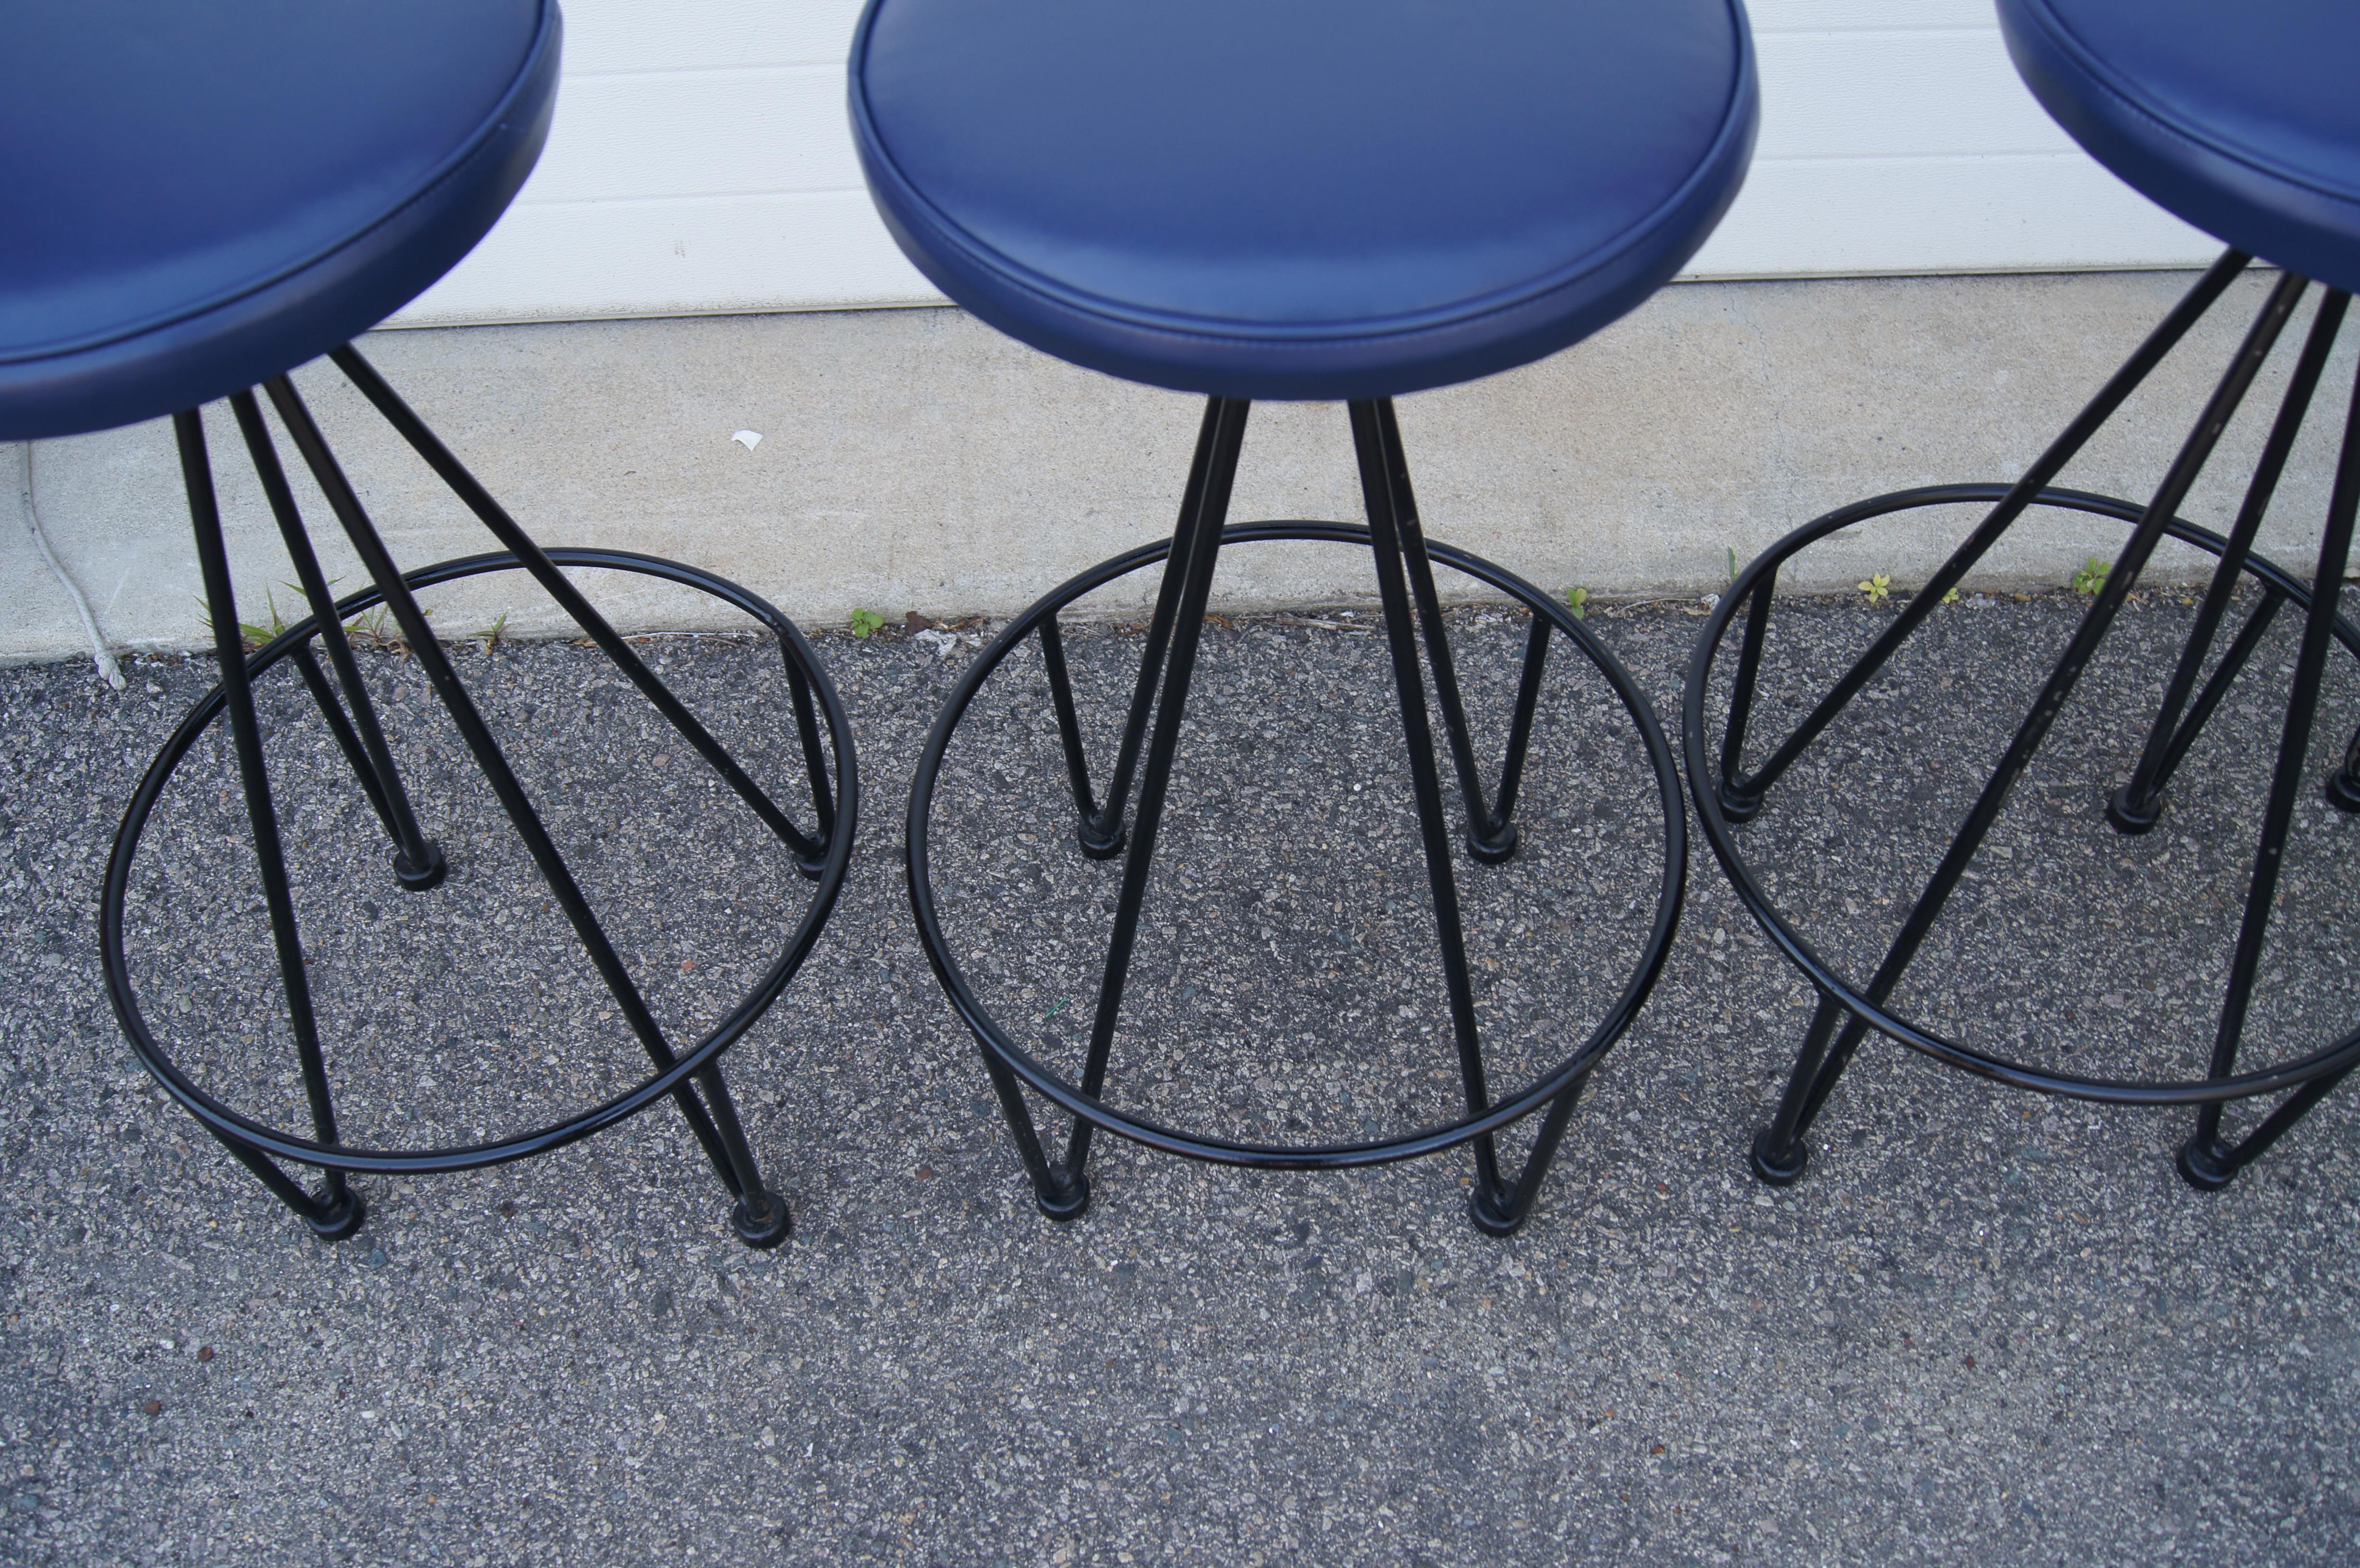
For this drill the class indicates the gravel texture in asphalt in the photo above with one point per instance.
(1986, 1327)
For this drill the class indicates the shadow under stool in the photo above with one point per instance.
(267, 181)
(1326, 202)
(2241, 120)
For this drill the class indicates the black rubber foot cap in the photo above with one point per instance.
(1740, 810)
(2342, 793)
(1782, 1171)
(1103, 848)
(341, 1220)
(1490, 1216)
(2126, 817)
(1070, 1204)
(811, 870)
(762, 1221)
(1495, 850)
(2202, 1167)
(419, 878)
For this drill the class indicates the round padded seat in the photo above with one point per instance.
(1328, 199)
(2242, 119)
(201, 197)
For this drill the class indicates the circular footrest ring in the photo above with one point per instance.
(1718, 821)
(762, 1225)
(1003, 1049)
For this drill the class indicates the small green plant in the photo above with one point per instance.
(866, 623)
(492, 638)
(1951, 597)
(1578, 601)
(374, 628)
(2092, 579)
(1878, 588)
(1732, 563)
(252, 634)
(368, 629)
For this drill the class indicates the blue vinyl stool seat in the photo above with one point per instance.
(1311, 200)
(199, 199)
(2242, 121)
(1343, 200)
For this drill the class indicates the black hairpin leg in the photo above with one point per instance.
(1490, 833)
(760, 1217)
(336, 1210)
(2138, 804)
(1740, 791)
(1778, 1153)
(1165, 670)
(1405, 581)
(418, 863)
(2205, 1160)
(1844, 1016)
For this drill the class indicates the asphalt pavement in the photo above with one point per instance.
(1987, 1327)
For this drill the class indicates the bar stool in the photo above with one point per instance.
(205, 199)
(1314, 202)
(2241, 121)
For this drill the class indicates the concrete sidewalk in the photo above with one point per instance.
(919, 460)
(1987, 1328)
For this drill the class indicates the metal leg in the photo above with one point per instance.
(1152, 722)
(1773, 1153)
(1069, 723)
(1490, 834)
(1503, 1213)
(2138, 804)
(329, 1219)
(1746, 790)
(568, 598)
(418, 863)
(1742, 803)
(1494, 1207)
(2205, 1160)
(337, 1211)
(761, 1215)
(1196, 548)
(1101, 829)
(348, 741)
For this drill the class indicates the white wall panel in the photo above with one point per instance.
(691, 255)
(614, 36)
(1927, 94)
(701, 163)
(650, 135)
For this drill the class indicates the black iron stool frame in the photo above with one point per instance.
(690, 1078)
(1728, 794)
(1405, 584)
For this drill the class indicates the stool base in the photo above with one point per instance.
(1153, 721)
(419, 864)
(1728, 793)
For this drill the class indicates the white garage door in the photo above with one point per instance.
(700, 163)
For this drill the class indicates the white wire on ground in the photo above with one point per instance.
(108, 670)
